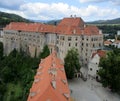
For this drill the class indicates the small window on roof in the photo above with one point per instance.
(64, 81)
(66, 95)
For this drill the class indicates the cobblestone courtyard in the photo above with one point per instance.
(90, 90)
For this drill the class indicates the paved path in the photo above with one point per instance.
(90, 90)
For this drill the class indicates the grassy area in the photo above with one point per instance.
(14, 91)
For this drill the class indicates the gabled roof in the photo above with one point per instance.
(73, 21)
(107, 42)
(50, 83)
(30, 27)
(67, 26)
(101, 53)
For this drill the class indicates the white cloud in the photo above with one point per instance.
(45, 11)
(116, 2)
(84, 1)
(58, 10)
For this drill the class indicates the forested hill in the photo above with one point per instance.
(112, 21)
(6, 18)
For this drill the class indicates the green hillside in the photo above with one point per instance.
(112, 21)
(6, 18)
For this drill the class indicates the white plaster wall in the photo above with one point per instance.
(93, 64)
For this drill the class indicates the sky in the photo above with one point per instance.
(88, 10)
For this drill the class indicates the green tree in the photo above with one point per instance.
(72, 64)
(45, 52)
(110, 71)
(1, 50)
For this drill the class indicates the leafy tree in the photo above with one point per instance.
(110, 71)
(72, 64)
(1, 50)
(45, 52)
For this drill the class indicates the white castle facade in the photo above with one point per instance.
(70, 32)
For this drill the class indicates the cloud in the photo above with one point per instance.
(11, 4)
(45, 11)
(84, 1)
(116, 2)
(59, 10)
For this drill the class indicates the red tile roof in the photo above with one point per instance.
(50, 83)
(107, 42)
(117, 41)
(30, 27)
(66, 26)
(101, 53)
(77, 22)
(91, 30)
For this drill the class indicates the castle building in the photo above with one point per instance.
(50, 83)
(70, 32)
(93, 65)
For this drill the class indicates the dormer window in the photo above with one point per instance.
(66, 95)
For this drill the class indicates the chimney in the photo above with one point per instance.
(74, 31)
(74, 16)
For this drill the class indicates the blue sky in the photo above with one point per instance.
(89, 10)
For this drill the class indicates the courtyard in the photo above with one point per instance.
(90, 90)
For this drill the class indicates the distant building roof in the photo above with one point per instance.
(107, 43)
(50, 83)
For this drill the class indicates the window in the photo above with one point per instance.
(82, 44)
(97, 71)
(76, 39)
(69, 44)
(99, 45)
(91, 39)
(75, 44)
(63, 38)
(93, 45)
(38, 36)
(69, 38)
(87, 44)
(90, 69)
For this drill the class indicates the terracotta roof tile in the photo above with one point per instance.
(77, 22)
(91, 30)
(30, 27)
(101, 53)
(107, 42)
(66, 26)
(50, 83)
